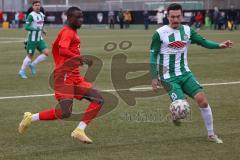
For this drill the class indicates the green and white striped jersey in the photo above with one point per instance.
(169, 49)
(34, 26)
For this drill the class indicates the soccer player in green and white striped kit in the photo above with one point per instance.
(169, 65)
(34, 26)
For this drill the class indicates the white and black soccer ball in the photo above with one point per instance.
(179, 109)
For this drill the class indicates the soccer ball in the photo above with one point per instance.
(179, 109)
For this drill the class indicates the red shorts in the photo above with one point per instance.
(74, 86)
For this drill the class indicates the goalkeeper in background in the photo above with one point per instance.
(168, 59)
(34, 26)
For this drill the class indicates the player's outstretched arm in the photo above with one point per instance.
(198, 39)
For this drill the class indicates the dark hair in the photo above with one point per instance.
(71, 10)
(30, 9)
(36, 1)
(174, 6)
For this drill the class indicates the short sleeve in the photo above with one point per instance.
(66, 39)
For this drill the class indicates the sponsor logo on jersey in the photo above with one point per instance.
(177, 44)
(40, 22)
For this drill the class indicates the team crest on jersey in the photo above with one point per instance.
(185, 37)
(177, 44)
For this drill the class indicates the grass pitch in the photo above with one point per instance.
(134, 133)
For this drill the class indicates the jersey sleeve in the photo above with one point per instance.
(28, 24)
(154, 51)
(198, 39)
(66, 39)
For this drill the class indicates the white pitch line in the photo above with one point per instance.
(112, 90)
(27, 96)
(12, 38)
(223, 83)
(6, 42)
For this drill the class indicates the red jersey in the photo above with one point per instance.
(199, 18)
(67, 38)
(1, 16)
(68, 83)
(21, 16)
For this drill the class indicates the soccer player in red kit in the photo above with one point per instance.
(68, 83)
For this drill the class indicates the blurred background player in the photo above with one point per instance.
(64, 18)
(1, 18)
(68, 83)
(111, 19)
(146, 19)
(222, 21)
(215, 18)
(34, 26)
(231, 18)
(169, 50)
(30, 9)
(120, 18)
(159, 17)
(127, 18)
(198, 20)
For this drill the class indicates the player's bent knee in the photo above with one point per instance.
(66, 107)
(202, 103)
(94, 96)
(46, 52)
(98, 99)
(30, 56)
(201, 100)
(101, 100)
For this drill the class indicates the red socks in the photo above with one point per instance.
(51, 114)
(56, 113)
(91, 112)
